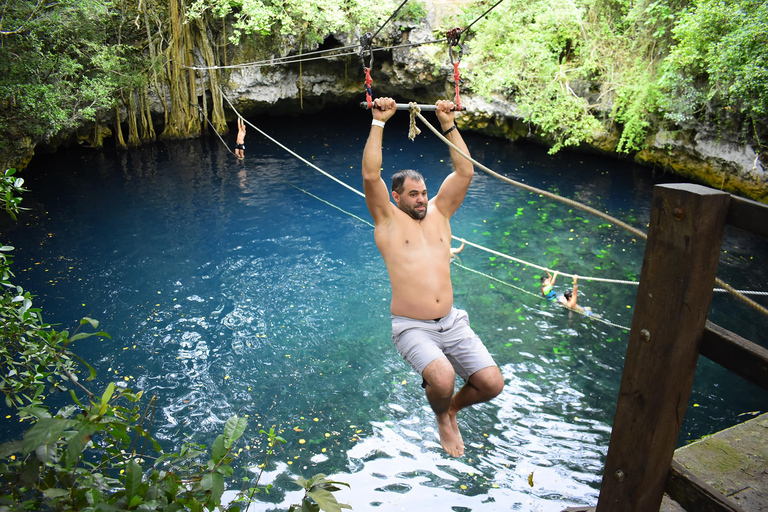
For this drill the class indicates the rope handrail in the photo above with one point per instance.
(722, 284)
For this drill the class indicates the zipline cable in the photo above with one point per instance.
(202, 112)
(481, 16)
(415, 112)
(389, 19)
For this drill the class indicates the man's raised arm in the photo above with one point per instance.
(376, 191)
(455, 186)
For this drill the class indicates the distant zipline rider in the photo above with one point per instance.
(414, 238)
(240, 141)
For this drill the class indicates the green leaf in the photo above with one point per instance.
(218, 450)
(325, 500)
(106, 397)
(44, 432)
(77, 442)
(233, 429)
(86, 320)
(91, 369)
(55, 493)
(133, 475)
(9, 448)
(83, 335)
(217, 488)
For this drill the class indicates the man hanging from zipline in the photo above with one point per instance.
(414, 238)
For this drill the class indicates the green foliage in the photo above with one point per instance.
(567, 64)
(62, 64)
(528, 51)
(10, 190)
(413, 10)
(318, 495)
(721, 44)
(311, 20)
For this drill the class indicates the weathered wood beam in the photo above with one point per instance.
(693, 493)
(748, 215)
(746, 359)
(673, 299)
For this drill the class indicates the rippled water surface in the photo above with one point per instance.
(228, 289)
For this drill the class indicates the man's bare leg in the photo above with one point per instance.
(440, 378)
(482, 386)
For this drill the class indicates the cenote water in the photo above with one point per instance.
(228, 290)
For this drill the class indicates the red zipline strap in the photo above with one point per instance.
(368, 91)
(366, 41)
(457, 80)
(453, 37)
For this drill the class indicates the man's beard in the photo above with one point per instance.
(414, 213)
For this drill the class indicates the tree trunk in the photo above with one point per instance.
(118, 130)
(217, 116)
(133, 127)
(147, 129)
(178, 117)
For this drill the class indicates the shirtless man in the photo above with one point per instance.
(240, 141)
(414, 238)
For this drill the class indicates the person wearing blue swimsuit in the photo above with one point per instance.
(546, 286)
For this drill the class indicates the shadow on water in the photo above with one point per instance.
(227, 290)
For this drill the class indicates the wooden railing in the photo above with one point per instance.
(669, 331)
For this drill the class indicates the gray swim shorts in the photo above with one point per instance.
(420, 342)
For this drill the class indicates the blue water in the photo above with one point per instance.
(229, 290)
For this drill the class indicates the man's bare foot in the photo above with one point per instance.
(455, 425)
(450, 438)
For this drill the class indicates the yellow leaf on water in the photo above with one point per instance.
(530, 479)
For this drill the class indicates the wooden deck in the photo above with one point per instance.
(724, 472)
(732, 463)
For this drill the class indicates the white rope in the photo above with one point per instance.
(743, 298)
(507, 256)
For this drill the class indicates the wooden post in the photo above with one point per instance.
(673, 299)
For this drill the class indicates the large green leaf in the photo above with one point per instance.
(233, 429)
(133, 475)
(326, 500)
(218, 450)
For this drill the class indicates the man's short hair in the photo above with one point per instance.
(568, 294)
(398, 179)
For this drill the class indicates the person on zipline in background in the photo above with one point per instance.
(568, 299)
(546, 286)
(414, 238)
(240, 142)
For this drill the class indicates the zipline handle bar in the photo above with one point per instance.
(406, 106)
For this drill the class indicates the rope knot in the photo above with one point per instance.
(414, 109)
